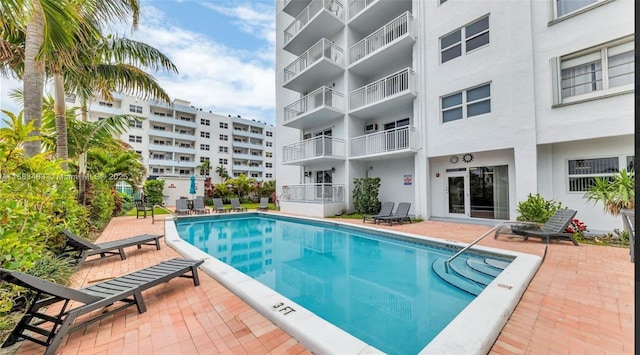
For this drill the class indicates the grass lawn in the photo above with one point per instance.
(158, 211)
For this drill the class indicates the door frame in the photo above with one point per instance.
(466, 198)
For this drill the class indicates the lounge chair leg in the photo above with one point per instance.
(122, 255)
(61, 333)
(137, 296)
(194, 273)
(157, 243)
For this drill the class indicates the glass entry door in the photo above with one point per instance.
(456, 194)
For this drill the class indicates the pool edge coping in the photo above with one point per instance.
(473, 331)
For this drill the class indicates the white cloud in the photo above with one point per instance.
(7, 85)
(253, 18)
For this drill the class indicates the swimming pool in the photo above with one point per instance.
(375, 286)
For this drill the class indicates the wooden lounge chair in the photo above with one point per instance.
(402, 214)
(264, 204)
(235, 205)
(181, 207)
(218, 205)
(121, 292)
(142, 208)
(554, 228)
(199, 207)
(385, 210)
(84, 248)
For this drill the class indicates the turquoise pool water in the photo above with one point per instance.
(379, 289)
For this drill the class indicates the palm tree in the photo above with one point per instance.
(121, 164)
(205, 168)
(222, 172)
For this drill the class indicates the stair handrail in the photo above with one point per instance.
(153, 219)
(448, 261)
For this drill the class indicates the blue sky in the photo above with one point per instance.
(224, 51)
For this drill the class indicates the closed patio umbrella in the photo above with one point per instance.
(192, 188)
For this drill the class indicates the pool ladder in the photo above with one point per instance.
(448, 261)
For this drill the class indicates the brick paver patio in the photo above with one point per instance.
(580, 301)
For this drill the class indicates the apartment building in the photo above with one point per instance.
(175, 139)
(461, 108)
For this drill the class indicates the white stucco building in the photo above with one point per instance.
(461, 108)
(174, 139)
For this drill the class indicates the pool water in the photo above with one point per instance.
(381, 290)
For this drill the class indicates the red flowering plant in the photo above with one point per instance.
(578, 228)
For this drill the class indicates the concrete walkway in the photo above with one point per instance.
(580, 301)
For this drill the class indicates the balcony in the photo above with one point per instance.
(169, 134)
(321, 106)
(295, 7)
(246, 133)
(171, 148)
(323, 60)
(171, 121)
(248, 145)
(171, 162)
(392, 143)
(322, 18)
(383, 96)
(366, 15)
(389, 45)
(242, 167)
(313, 193)
(248, 157)
(316, 149)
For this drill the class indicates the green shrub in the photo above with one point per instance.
(537, 209)
(153, 191)
(127, 203)
(365, 195)
(100, 202)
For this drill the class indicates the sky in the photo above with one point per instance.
(224, 51)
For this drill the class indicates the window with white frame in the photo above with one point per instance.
(135, 108)
(582, 172)
(269, 144)
(268, 165)
(158, 170)
(204, 147)
(224, 137)
(224, 125)
(268, 175)
(185, 159)
(203, 159)
(606, 69)
(205, 122)
(466, 103)
(564, 7)
(105, 104)
(135, 124)
(268, 154)
(205, 134)
(223, 161)
(135, 139)
(464, 39)
(222, 149)
(269, 134)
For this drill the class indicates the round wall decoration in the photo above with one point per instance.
(467, 158)
(453, 159)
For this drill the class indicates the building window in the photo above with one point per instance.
(224, 137)
(205, 122)
(224, 125)
(222, 149)
(139, 152)
(135, 108)
(582, 172)
(184, 172)
(158, 170)
(268, 175)
(467, 103)
(135, 139)
(205, 135)
(105, 104)
(269, 144)
(564, 7)
(269, 134)
(204, 147)
(268, 154)
(464, 39)
(223, 161)
(590, 73)
(268, 165)
(135, 124)
(203, 159)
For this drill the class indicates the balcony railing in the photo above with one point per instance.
(384, 141)
(379, 90)
(314, 147)
(322, 49)
(323, 96)
(390, 32)
(333, 6)
(357, 6)
(314, 193)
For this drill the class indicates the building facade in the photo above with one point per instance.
(461, 108)
(175, 139)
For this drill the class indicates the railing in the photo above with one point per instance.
(448, 261)
(384, 141)
(395, 29)
(313, 147)
(381, 89)
(356, 6)
(315, 193)
(323, 96)
(333, 6)
(322, 49)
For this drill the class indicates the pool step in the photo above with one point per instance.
(459, 265)
(499, 264)
(481, 266)
(455, 279)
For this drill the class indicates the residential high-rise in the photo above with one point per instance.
(175, 139)
(461, 108)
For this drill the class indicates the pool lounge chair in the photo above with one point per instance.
(199, 207)
(385, 211)
(142, 208)
(555, 228)
(84, 248)
(264, 204)
(118, 293)
(402, 214)
(235, 205)
(218, 205)
(182, 207)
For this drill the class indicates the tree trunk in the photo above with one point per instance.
(33, 78)
(62, 149)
